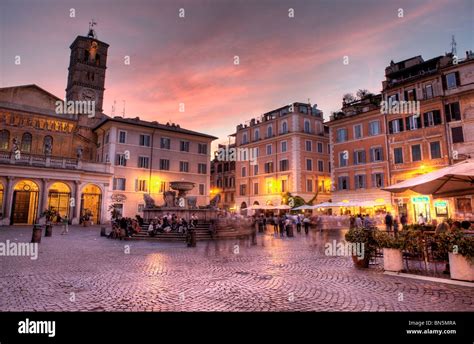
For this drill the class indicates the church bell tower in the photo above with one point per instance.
(87, 65)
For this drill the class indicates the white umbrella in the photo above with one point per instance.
(283, 207)
(455, 180)
(304, 207)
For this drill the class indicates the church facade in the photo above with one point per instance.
(58, 160)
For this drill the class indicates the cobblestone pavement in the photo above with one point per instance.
(83, 271)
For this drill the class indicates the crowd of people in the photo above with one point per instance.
(285, 224)
(124, 227)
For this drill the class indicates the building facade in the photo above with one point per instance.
(223, 179)
(283, 151)
(434, 137)
(358, 135)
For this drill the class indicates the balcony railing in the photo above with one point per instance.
(37, 160)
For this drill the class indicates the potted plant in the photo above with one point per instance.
(364, 237)
(49, 215)
(460, 249)
(392, 247)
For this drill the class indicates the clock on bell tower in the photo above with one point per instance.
(87, 65)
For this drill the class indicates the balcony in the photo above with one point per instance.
(34, 160)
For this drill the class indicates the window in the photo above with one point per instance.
(395, 126)
(393, 98)
(284, 127)
(164, 164)
(257, 134)
(309, 185)
(255, 188)
(320, 166)
(398, 155)
(244, 172)
(431, 118)
(269, 149)
(284, 183)
(119, 184)
(341, 135)
(107, 136)
(219, 183)
(202, 168)
(377, 180)
(359, 181)
(428, 91)
(452, 80)
(457, 134)
(415, 153)
(358, 131)
(122, 136)
(162, 186)
(243, 190)
(284, 165)
(202, 148)
(141, 185)
(410, 95)
(255, 169)
(343, 183)
(269, 131)
(184, 146)
(244, 139)
(145, 140)
(329, 166)
(283, 146)
(184, 166)
(201, 189)
(435, 150)
(413, 122)
(269, 167)
(120, 160)
(376, 154)
(359, 157)
(26, 141)
(453, 112)
(307, 127)
(143, 161)
(320, 147)
(309, 164)
(48, 145)
(308, 146)
(343, 158)
(374, 128)
(165, 143)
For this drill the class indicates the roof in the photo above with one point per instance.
(138, 122)
(32, 86)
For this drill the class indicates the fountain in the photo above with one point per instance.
(179, 204)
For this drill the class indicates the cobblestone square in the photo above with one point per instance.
(82, 271)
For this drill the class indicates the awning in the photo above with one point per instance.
(455, 180)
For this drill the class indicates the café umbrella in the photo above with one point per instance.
(455, 180)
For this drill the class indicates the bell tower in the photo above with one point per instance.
(87, 65)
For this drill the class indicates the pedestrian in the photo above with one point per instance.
(275, 225)
(298, 223)
(282, 225)
(395, 227)
(421, 220)
(65, 225)
(388, 222)
(306, 221)
(319, 223)
(403, 221)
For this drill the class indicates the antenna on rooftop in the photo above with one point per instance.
(123, 111)
(113, 109)
(453, 46)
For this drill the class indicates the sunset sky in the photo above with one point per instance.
(191, 60)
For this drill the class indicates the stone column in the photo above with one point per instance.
(43, 201)
(77, 203)
(8, 199)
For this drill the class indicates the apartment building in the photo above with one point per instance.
(359, 154)
(223, 179)
(291, 149)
